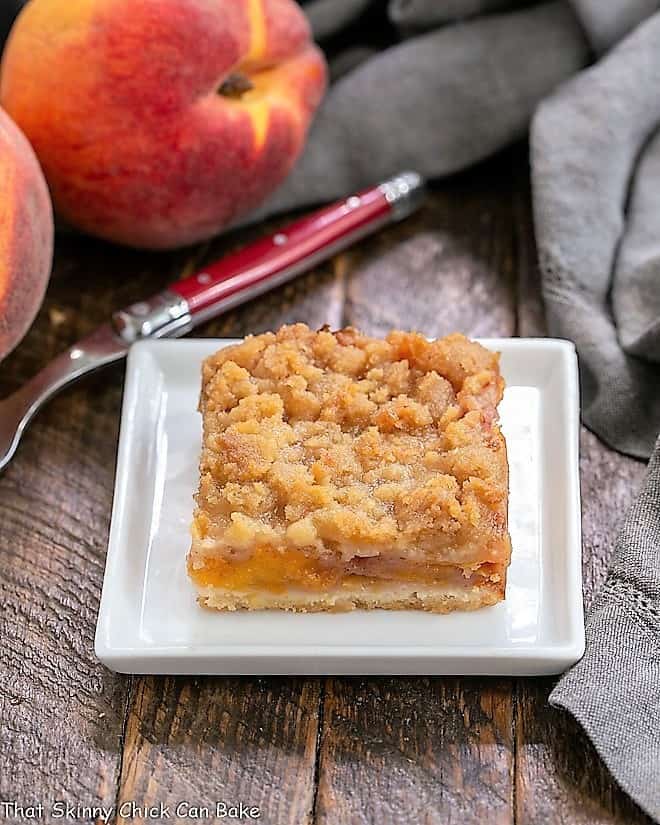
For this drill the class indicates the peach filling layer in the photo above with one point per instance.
(276, 571)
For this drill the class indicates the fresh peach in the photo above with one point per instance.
(26, 235)
(157, 122)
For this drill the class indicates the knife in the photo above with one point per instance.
(221, 285)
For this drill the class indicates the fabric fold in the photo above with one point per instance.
(636, 285)
(327, 17)
(585, 143)
(614, 691)
(426, 14)
(607, 22)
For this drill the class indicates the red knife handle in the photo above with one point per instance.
(270, 261)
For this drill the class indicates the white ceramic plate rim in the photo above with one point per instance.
(354, 658)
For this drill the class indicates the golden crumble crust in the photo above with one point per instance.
(344, 447)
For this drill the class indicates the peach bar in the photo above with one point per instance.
(341, 471)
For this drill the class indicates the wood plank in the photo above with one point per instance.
(204, 741)
(416, 750)
(448, 268)
(559, 776)
(61, 712)
(244, 740)
(56, 537)
(427, 750)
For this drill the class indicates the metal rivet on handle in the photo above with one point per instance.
(204, 278)
(353, 202)
(280, 239)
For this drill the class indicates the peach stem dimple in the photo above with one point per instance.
(235, 85)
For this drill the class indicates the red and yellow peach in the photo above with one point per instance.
(26, 235)
(157, 122)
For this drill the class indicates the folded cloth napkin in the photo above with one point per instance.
(596, 183)
(607, 21)
(416, 14)
(614, 691)
(330, 16)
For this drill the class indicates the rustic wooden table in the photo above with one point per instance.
(331, 751)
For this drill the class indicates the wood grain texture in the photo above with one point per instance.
(335, 751)
(427, 750)
(449, 267)
(416, 750)
(234, 740)
(61, 712)
(240, 740)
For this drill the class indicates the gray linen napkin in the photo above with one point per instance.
(599, 237)
(614, 691)
(417, 14)
(330, 16)
(607, 21)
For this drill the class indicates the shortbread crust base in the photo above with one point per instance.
(403, 596)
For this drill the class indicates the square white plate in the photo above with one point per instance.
(149, 621)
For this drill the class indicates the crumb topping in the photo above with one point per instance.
(346, 446)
